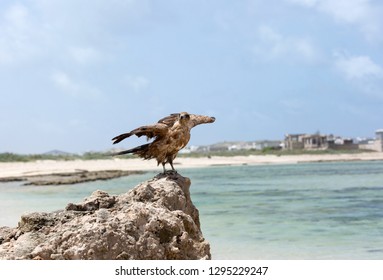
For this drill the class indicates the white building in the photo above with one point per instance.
(374, 144)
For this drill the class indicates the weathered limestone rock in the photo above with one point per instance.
(66, 178)
(155, 220)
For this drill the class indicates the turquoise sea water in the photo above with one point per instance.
(297, 211)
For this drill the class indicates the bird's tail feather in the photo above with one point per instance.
(137, 150)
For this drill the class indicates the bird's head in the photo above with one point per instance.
(184, 117)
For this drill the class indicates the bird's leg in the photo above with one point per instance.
(171, 164)
(163, 166)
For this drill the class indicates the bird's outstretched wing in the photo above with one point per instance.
(199, 119)
(169, 120)
(150, 131)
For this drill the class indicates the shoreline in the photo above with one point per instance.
(51, 167)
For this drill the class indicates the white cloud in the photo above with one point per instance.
(85, 55)
(45, 30)
(273, 45)
(15, 34)
(269, 34)
(342, 10)
(136, 83)
(358, 67)
(71, 87)
(362, 73)
(65, 83)
(365, 14)
(347, 10)
(17, 15)
(308, 3)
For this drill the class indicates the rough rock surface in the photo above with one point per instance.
(78, 176)
(155, 220)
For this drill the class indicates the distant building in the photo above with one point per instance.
(379, 139)
(342, 144)
(373, 144)
(273, 144)
(235, 146)
(317, 142)
(379, 134)
(222, 146)
(305, 141)
(314, 142)
(294, 141)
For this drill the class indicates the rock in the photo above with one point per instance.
(69, 178)
(154, 220)
(65, 178)
(6, 234)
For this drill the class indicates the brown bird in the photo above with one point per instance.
(170, 134)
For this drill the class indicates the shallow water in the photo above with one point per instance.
(295, 211)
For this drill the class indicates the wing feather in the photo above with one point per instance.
(169, 120)
(161, 128)
(150, 131)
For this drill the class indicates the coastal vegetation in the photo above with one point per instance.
(13, 157)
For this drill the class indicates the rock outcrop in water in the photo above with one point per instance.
(155, 220)
(69, 178)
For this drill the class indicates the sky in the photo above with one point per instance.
(74, 74)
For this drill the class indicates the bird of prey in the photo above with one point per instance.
(170, 134)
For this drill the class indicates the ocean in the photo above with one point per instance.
(328, 210)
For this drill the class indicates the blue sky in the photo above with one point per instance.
(73, 74)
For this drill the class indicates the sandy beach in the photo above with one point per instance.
(44, 167)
